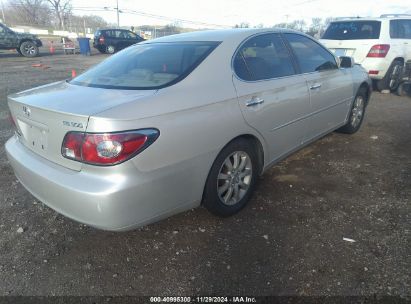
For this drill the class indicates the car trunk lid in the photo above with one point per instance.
(358, 49)
(44, 115)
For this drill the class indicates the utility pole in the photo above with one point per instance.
(118, 16)
(118, 12)
(2, 11)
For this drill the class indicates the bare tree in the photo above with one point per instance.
(28, 12)
(281, 25)
(61, 9)
(78, 23)
(315, 27)
(242, 25)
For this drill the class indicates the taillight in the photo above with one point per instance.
(106, 148)
(101, 40)
(379, 50)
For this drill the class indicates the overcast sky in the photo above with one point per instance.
(231, 12)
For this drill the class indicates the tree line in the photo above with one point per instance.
(57, 14)
(315, 28)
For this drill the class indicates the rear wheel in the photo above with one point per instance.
(29, 49)
(403, 89)
(388, 82)
(232, 179)
(111, 49)
(356, 114)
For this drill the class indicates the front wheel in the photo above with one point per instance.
(29, 49)
(232, 179)
(356, 115)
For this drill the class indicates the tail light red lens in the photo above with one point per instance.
(101, 40)
(106, 148)
(72, 145)
(379, 51)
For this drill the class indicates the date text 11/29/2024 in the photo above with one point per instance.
(235, 299)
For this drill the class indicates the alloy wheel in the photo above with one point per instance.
(234, 178)
(110, 49)
(29, 49)
(357, 111)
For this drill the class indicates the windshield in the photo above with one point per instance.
(147, 66)
(4, 29)
(353, 30)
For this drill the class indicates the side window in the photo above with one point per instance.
(131, 35)
(310, 55)
(263, 57)
(109, 34)
(400, 29)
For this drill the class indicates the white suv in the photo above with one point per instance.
(378, 44)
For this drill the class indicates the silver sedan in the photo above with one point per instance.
(168, 124)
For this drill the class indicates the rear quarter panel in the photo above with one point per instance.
(196, 118)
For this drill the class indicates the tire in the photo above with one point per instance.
(29, 49)
(110, 49)
(357, 113)
(402, 89)
(18, 51)
(384, 84)
(228, 190)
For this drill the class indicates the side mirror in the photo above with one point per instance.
(346, 62)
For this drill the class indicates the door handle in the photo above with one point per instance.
(315, 86)
(254, 101)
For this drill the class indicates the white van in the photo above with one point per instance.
(378, 44)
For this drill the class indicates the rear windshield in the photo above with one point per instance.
(147, 66)
(353, 30)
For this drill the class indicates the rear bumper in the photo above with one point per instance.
(108, 198)
(376, 64)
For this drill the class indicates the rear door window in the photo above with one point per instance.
(112, 33)
(311, 56)
(263, 57)
(400, 29)
(353, 30)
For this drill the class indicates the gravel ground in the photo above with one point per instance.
(287, 241)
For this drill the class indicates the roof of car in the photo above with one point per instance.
(382, 18)
(112, 29)
(218, 35)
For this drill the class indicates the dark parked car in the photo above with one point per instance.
(26, 44)
(113, 40)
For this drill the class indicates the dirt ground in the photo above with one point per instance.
(287, 241)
